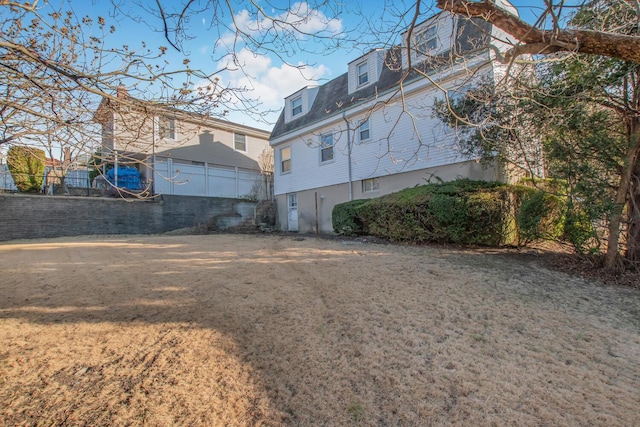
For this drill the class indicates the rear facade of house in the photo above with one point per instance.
(363, 135)
(185, 154)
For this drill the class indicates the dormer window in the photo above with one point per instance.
(296, 106)
(427, 41)
(366, 70)
(363, 74)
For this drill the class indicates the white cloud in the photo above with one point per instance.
(271, 84)
(297, 22)
(267, 84)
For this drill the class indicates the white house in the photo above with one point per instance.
(363, 134)
(183, 153)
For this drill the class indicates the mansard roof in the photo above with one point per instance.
(333, 97)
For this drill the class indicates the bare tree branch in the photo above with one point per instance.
(534, 40)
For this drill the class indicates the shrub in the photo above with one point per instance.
(539, 215)
(345, 219)
(488, 217)
(463, 211)
(580, 231)
(27, 168)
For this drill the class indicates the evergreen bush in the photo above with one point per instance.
(27, 168)
(345, 220)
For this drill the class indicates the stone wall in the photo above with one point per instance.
(36, 216)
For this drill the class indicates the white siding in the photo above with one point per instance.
(306, 168)
(394, 146)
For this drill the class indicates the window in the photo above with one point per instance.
(285, 159)
(240, 141)
(370, 184)
(363, 74)
(326, 148)
(107, 134)
(364, 133)
(296, 106)
(167, 128)
(426, 41)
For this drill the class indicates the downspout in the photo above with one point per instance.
(154, 131)
(344, 117)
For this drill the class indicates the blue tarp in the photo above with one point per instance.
(128, 178)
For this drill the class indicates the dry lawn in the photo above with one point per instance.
(278, 331)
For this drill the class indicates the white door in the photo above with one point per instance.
(292, 212)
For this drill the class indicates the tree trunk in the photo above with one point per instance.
(633, 239)
(631, 161)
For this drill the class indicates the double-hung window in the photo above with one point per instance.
(326, 148)
(363, 74)
(296, 106)
(167, 127)
(240, 141)
(364, 132)
(285, 159)
(427, 41)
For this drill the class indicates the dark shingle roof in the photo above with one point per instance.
(333, 97)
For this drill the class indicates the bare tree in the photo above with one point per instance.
(57, 67)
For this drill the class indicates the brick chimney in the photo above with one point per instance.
(122, 92)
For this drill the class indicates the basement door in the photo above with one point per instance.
(292, 212)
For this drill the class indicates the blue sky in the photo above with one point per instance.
(266, 75)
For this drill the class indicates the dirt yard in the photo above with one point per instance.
(236, 330)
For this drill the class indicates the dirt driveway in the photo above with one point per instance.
(277, 331)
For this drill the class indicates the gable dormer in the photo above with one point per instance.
(299, 104)
(430, 38)
(365, 70)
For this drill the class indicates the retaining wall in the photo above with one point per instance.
(30, 217)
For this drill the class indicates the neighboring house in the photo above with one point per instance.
(361, 135)
(182, 153)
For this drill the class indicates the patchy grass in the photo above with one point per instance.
(272, 331)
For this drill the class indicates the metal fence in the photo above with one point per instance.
(77, 178)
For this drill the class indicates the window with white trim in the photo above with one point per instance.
(296, 106)
(427, 41)
(363, 74)
(167, 127)
(364, 133)
(326, 147)
(369, 185)
(240, 141)
(285, 159)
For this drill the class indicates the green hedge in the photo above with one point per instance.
(345, 219)
(462, 211)
(538, 215)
